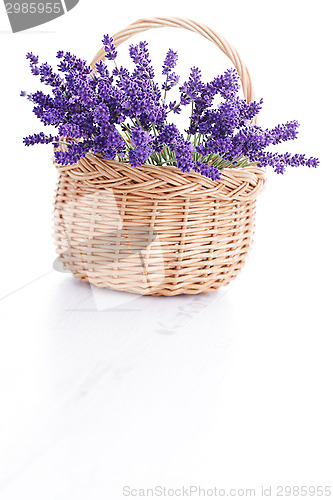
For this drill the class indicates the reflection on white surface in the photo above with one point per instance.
(145, 366)
(215, 389)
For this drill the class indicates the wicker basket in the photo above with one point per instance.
(155, 230)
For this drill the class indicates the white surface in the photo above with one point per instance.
(219, 389)
(230, 390)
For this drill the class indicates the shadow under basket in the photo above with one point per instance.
(154, 230)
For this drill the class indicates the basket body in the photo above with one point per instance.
(154, 230)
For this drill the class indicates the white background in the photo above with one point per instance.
(230, 389)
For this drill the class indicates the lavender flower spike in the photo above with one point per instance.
(170, 61)
(109, 47)
(40, 138)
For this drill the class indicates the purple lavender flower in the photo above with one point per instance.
(139, 136)
(175, 107)
(208, 170)
(184, 154)
(40, 138)
(70, 130)
(169, 135)
(109, 47)
(71, 64)
(192, 88)
(140, 56)
(171, 80)
(139, 155)
(109, 143)
(87, 108)
(33, 63)
(115, 140)
(75, 151)
(121, 72)
(32, 58)
(102, 69)
(227, 85)
(101, 114)
(170, 62)
(279, 162)
(141, 141)
(285, 132)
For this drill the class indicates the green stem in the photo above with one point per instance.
(192, 109)
(166, 81)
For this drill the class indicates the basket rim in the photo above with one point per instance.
(242, 184)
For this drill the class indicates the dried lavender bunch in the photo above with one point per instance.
(122, 115)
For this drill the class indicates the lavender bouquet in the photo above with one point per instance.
(127, 116)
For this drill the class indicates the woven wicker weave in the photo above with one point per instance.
(155, 230)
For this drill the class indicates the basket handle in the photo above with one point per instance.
(175, 22)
